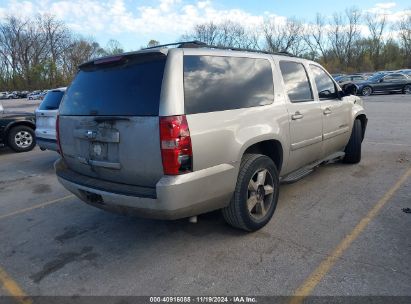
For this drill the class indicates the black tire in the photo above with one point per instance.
(407, 89)
(353, 148)
(19, 146)
(237, 213)
(366, 91)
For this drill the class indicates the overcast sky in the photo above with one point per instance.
(134, 23)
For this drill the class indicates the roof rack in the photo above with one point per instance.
(185, 44)
(200, 44)
(250, 50)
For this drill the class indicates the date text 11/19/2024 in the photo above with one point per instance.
(203, 299)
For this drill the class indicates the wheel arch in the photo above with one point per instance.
(364, 120)
(272, 148)
(18, 123)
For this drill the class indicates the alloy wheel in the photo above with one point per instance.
(260, 194)
(366, 91)
(23, 139)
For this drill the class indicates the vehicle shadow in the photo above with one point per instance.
(94, 238)
(6, 151)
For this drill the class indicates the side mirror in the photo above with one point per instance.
(325, 94)
(382, 80)
(350, 89)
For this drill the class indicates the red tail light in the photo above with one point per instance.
(176, 150)
(59, 150)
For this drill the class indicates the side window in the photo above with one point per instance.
(213, 83)
(397, 77)
(325, 86)
(296, 81)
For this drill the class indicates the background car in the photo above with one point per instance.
(17, 130)
(385, 83)
(22, 94)
(8, 95)
(36, 95)
(405, 72)
(350, 78)
(46, 115)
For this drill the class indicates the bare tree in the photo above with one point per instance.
(57, 39)
(113, 47)
(316, 38)
(343, 35)
(376, 25)
(227, 34)
(284, 37)
(404, 29)
(79, 51)
(41, 52)
(153, 43)
(206, 32)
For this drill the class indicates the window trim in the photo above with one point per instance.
(308, 79)
(336, 87)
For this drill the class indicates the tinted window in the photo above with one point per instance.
(129, 87)
(394, 77)
(214, 83)
(296, 81)
(325, 86)
(375, 77)
(51, 101)
(357, 78)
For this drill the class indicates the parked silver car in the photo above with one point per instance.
(46, 115)
(37, 95)
(175, 132)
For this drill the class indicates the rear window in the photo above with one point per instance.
(51, 101)
(213, 83)
(127, 87)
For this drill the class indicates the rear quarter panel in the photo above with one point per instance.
(222, 137)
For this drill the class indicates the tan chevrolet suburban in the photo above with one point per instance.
(179, 130)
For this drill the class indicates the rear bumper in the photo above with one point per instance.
(45, 143)
(174, 196)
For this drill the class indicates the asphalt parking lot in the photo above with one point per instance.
(53, 244)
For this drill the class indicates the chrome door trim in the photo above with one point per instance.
(306, 142)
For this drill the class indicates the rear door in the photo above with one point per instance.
(336, 112)
(395, 82)
(305, 116)
(46, 115)
(109, 125)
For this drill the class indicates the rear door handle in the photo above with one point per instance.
(297, 115)
(327, 111)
